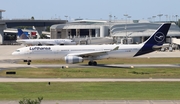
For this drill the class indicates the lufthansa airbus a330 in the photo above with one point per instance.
(77, 53)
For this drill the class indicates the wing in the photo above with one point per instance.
(93, 54)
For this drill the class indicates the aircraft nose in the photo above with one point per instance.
(13, 53)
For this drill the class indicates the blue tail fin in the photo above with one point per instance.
(157, 39)
(22, 35)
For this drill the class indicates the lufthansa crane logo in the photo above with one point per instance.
(159, 37)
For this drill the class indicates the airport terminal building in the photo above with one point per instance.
(102, 32)
(136, 31)
(80, 29)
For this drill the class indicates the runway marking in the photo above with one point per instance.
(34, 67)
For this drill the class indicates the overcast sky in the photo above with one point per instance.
(90, 9)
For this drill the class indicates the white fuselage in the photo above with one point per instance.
(59, 52)
(46, 41)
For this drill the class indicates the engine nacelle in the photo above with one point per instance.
(73, 59)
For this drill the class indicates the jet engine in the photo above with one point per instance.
(73, 59)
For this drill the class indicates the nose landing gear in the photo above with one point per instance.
(28, 62)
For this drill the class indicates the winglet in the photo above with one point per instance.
(116, 48)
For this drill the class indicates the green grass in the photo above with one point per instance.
(92, 91)
(94, 73)
(95, 90)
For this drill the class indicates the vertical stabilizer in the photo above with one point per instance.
(23, 35)
(156, 39)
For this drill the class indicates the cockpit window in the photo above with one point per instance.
(17, 50)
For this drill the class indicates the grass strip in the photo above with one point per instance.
(92, 91)
(93, 73)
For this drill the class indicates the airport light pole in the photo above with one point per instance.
(166, 17)
(154, 18)
(66, 17)
(129, 18)
(176, 17)
(160, 16)
(114, 18)
(110, 16)
(126, 16)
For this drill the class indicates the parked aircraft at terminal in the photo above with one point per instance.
(77, 53)
(176, 41)
(24, 39)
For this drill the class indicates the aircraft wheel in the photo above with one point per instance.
(94, 63)
(28, 63)
(25, 60)
(90, 63)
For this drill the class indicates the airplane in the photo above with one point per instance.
(78, 53)
(175, 41)
(24, 39)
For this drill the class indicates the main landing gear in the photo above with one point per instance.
(94, 63)
(28, 62)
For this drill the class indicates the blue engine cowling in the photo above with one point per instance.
(73, 59)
